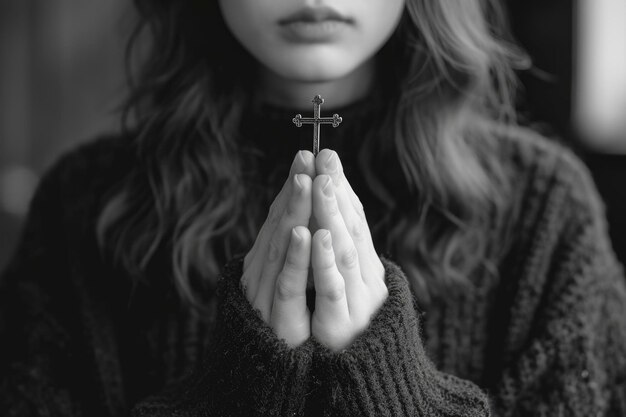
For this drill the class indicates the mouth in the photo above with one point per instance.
(314, 25)
(314, 15)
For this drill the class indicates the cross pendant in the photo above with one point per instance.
(316, 121)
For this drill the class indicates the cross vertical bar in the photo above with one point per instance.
(316, 121)
(316, 124)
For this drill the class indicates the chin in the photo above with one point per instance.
(317, 73)
(319, 63)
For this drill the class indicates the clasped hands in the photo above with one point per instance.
(347, 273)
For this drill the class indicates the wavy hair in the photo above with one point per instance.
(188, 199)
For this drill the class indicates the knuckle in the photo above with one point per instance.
(272, 251)
(349, 258)
(358, 230)
(293, 262)
(285, 289)
(336, 291)
(292, 208)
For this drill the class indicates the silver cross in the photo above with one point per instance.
(316, 121)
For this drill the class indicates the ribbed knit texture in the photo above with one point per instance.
(546, 337)
(249, 372)
(385, 371)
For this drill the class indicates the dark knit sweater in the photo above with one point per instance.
(546, 337)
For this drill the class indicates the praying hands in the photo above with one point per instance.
(347, 273)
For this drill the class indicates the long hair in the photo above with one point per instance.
(452, 65)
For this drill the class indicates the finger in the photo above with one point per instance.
(260, 252)
(329, 163)
(290, 315)
(303, 163)
(329, 217)
(350, 206)
(297, 213)
(331, 304)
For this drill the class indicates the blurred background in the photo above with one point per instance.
(62, 76)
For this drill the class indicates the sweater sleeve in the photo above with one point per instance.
(59, 357)
(575, 364)
(571, 360)
(42, 363)
(386, 372)
(249, 371)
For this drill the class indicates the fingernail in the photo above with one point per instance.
(331, 162)
(327, 188)
(327, 240)
(297, 183)
(295, 237)
(301, 156)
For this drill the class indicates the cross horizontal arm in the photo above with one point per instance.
(316, 121)
(335, 120)
(310, 120)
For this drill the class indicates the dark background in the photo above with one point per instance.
(61, 78)
(548, 31)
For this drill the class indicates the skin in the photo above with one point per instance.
(348, 276)
(347, 273)
(291, 72)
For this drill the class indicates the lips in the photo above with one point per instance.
(314, 15)
(312, 25)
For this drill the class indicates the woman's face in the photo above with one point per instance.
(310, 40)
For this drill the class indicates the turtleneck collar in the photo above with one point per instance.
(270, 136)
(270, 130)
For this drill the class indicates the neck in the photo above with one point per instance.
(298, 94)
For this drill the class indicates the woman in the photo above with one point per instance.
(498, 293)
